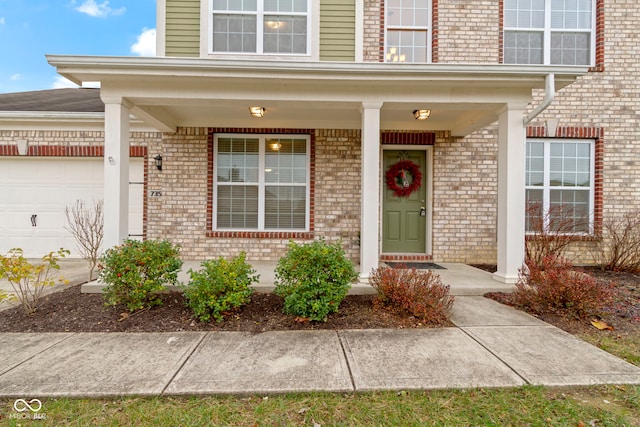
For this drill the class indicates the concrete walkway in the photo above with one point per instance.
(491, 346)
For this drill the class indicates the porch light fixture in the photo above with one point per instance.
(158, 159)
(257, 111)
(421, 114)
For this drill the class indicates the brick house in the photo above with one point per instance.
(526, 102)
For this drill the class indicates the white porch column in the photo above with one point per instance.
(511, 193)
(116, 172)
(370, 185)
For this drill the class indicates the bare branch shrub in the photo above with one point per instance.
(550, 233)
(619, 250)
(86, 224)
(556, 286)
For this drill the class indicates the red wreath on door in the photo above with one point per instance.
(399, 182)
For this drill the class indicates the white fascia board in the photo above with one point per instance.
(89, 67)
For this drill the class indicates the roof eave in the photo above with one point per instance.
(99, 68)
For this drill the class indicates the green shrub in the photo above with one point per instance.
(135, 271)
(558, 287)
(419, 293)
(29, 280)
(313, 279)
(220, 286)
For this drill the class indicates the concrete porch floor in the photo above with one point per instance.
(462, 278)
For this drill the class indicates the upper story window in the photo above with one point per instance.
(549, 32)
(408, 30)
(260, 26)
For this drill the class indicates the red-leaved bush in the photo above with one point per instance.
(417, 292)
(555, 285)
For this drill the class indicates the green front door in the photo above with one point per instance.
(404, 219)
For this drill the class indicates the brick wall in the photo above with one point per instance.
(464, 31)
(464, 193)
(468, 31)
(608, 100)
(373, 44)
(181, 213)
(338, 188)
(68, 138)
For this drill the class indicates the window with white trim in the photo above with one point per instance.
(560, 185)
(549, 32)
(260, 26)
(261, 182)
(408, 30)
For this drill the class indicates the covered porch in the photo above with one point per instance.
(172, 93)
(464, 280)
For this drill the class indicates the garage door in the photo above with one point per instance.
(35, 191)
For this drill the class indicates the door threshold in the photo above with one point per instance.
(405, 257)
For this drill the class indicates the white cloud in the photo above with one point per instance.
(146, 43)
(2, 20)
(62, 83)
(91, 8)
(15, 77)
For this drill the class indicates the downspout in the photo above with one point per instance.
(550, 93)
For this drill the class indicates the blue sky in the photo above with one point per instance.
(29, 29)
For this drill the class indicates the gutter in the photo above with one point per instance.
(550, 93)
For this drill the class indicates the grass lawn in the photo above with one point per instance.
(525, 406)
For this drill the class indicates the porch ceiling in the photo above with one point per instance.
(171, 92)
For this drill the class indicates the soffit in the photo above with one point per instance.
(172, 92)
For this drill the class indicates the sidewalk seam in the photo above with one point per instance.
(346, 359)
(186, 359)
(494, 355)
(69, 335)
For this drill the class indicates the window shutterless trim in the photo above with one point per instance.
(546, 187)
(409, 28)
(259, 13)
(596, 53)
(261, 184)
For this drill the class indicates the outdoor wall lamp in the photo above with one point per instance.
(158, 159)
(257, 111)
(421, 114)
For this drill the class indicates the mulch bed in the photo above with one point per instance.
(623, 314)
(72, 311)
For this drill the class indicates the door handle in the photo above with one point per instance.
(423, 211)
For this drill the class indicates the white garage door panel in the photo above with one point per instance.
(44, 187)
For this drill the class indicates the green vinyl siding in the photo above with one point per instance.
(183, 28)
(337, 30)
